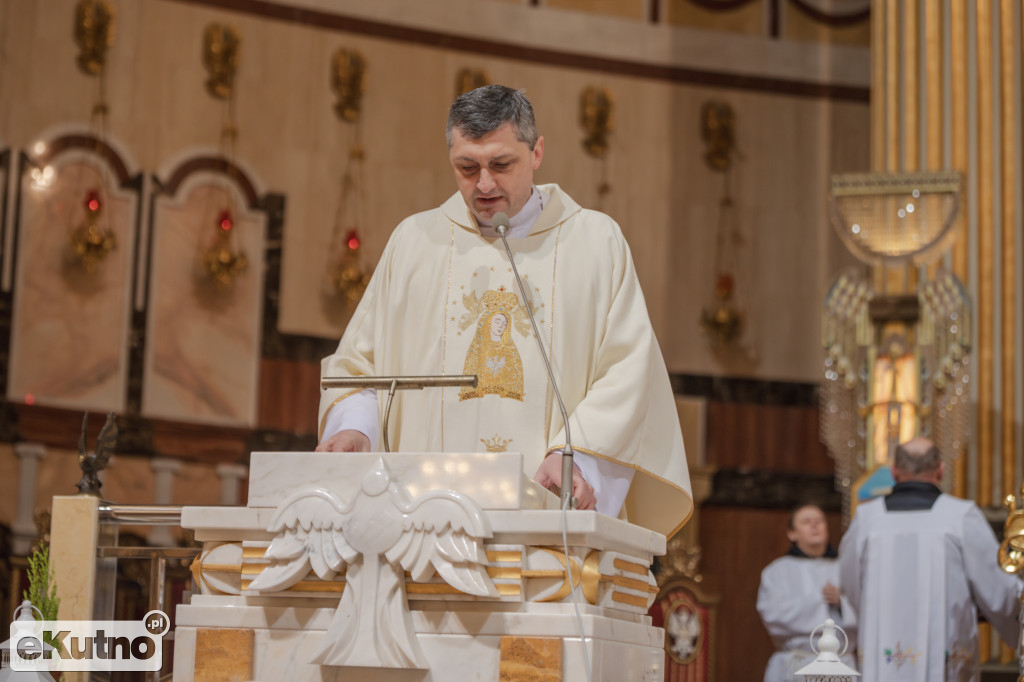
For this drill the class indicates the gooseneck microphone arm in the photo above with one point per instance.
(500, 222)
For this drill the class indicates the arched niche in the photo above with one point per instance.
(71, 312)
(203, 338)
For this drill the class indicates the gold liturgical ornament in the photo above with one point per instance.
(221, 45)
(348, 73)
(94, 34)
(347, 276)
(597, 116)
(722, 320)
(470, 79)
(221, 263)
(717, 129)
(90, 242)
(1011, 551)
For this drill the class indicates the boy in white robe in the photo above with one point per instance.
(917, 566)
(798, 592)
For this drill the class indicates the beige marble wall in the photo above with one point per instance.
(663, 195)
(203, 340)
(70, 331)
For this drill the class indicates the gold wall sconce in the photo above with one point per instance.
(597, 116)
(717, 129)
(348, 74)
(221, 46)
(94, 34)
(470, 79)
(90, 242)
(722, 318)
(222, 264)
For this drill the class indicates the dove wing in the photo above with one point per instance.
(474, 306)
(444, 532)
(308, 537)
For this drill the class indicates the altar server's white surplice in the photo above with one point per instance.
(791, 605)
(443, 300)
(917, 580)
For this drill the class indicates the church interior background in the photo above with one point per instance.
(193, 192)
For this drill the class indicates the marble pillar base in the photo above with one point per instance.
(458, 645)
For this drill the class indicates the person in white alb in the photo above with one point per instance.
(443, 300)
(917, 566)
(798, 592)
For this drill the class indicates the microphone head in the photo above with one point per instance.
(500, 222)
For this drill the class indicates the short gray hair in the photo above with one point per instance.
(916, 457)
(486, 109)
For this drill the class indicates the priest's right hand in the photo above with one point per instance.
(345, 441)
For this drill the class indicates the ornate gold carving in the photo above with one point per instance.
(717, 128)
(348, 73)
(597, 116)
(680, 561)
(470, 79)
(221, 46)
(94, 34)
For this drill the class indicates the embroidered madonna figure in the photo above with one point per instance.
(493, 355)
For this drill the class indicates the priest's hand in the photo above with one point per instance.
(550, 473)
(831, 594)
(345, 441)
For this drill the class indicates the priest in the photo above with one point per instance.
(443, 300)
(918, 565)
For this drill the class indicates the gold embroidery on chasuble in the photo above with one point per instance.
(492, 355)
(488, 334)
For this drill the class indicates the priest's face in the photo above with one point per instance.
(494, 172)
(809, 530)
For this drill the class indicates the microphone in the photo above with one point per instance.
(500, 223)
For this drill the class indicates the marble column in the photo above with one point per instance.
(164, 470)
(230, 476)
(24, 526)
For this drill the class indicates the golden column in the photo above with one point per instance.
(947, 78)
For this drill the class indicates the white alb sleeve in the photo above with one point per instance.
(610, 481)
(358, 413)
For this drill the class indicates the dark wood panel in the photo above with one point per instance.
(737, 544)
(289, 395)
(765, 437)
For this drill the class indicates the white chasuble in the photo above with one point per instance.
(443, 300)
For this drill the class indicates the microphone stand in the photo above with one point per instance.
(500, 222)
(391, 384)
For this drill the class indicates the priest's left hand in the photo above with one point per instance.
(550, 473)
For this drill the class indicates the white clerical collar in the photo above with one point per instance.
(521, 223)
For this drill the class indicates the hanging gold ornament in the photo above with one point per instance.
(221, 263)
(94, 34)
(348, 74)
(90, 242)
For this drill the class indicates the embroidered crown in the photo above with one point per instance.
(500, 300)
